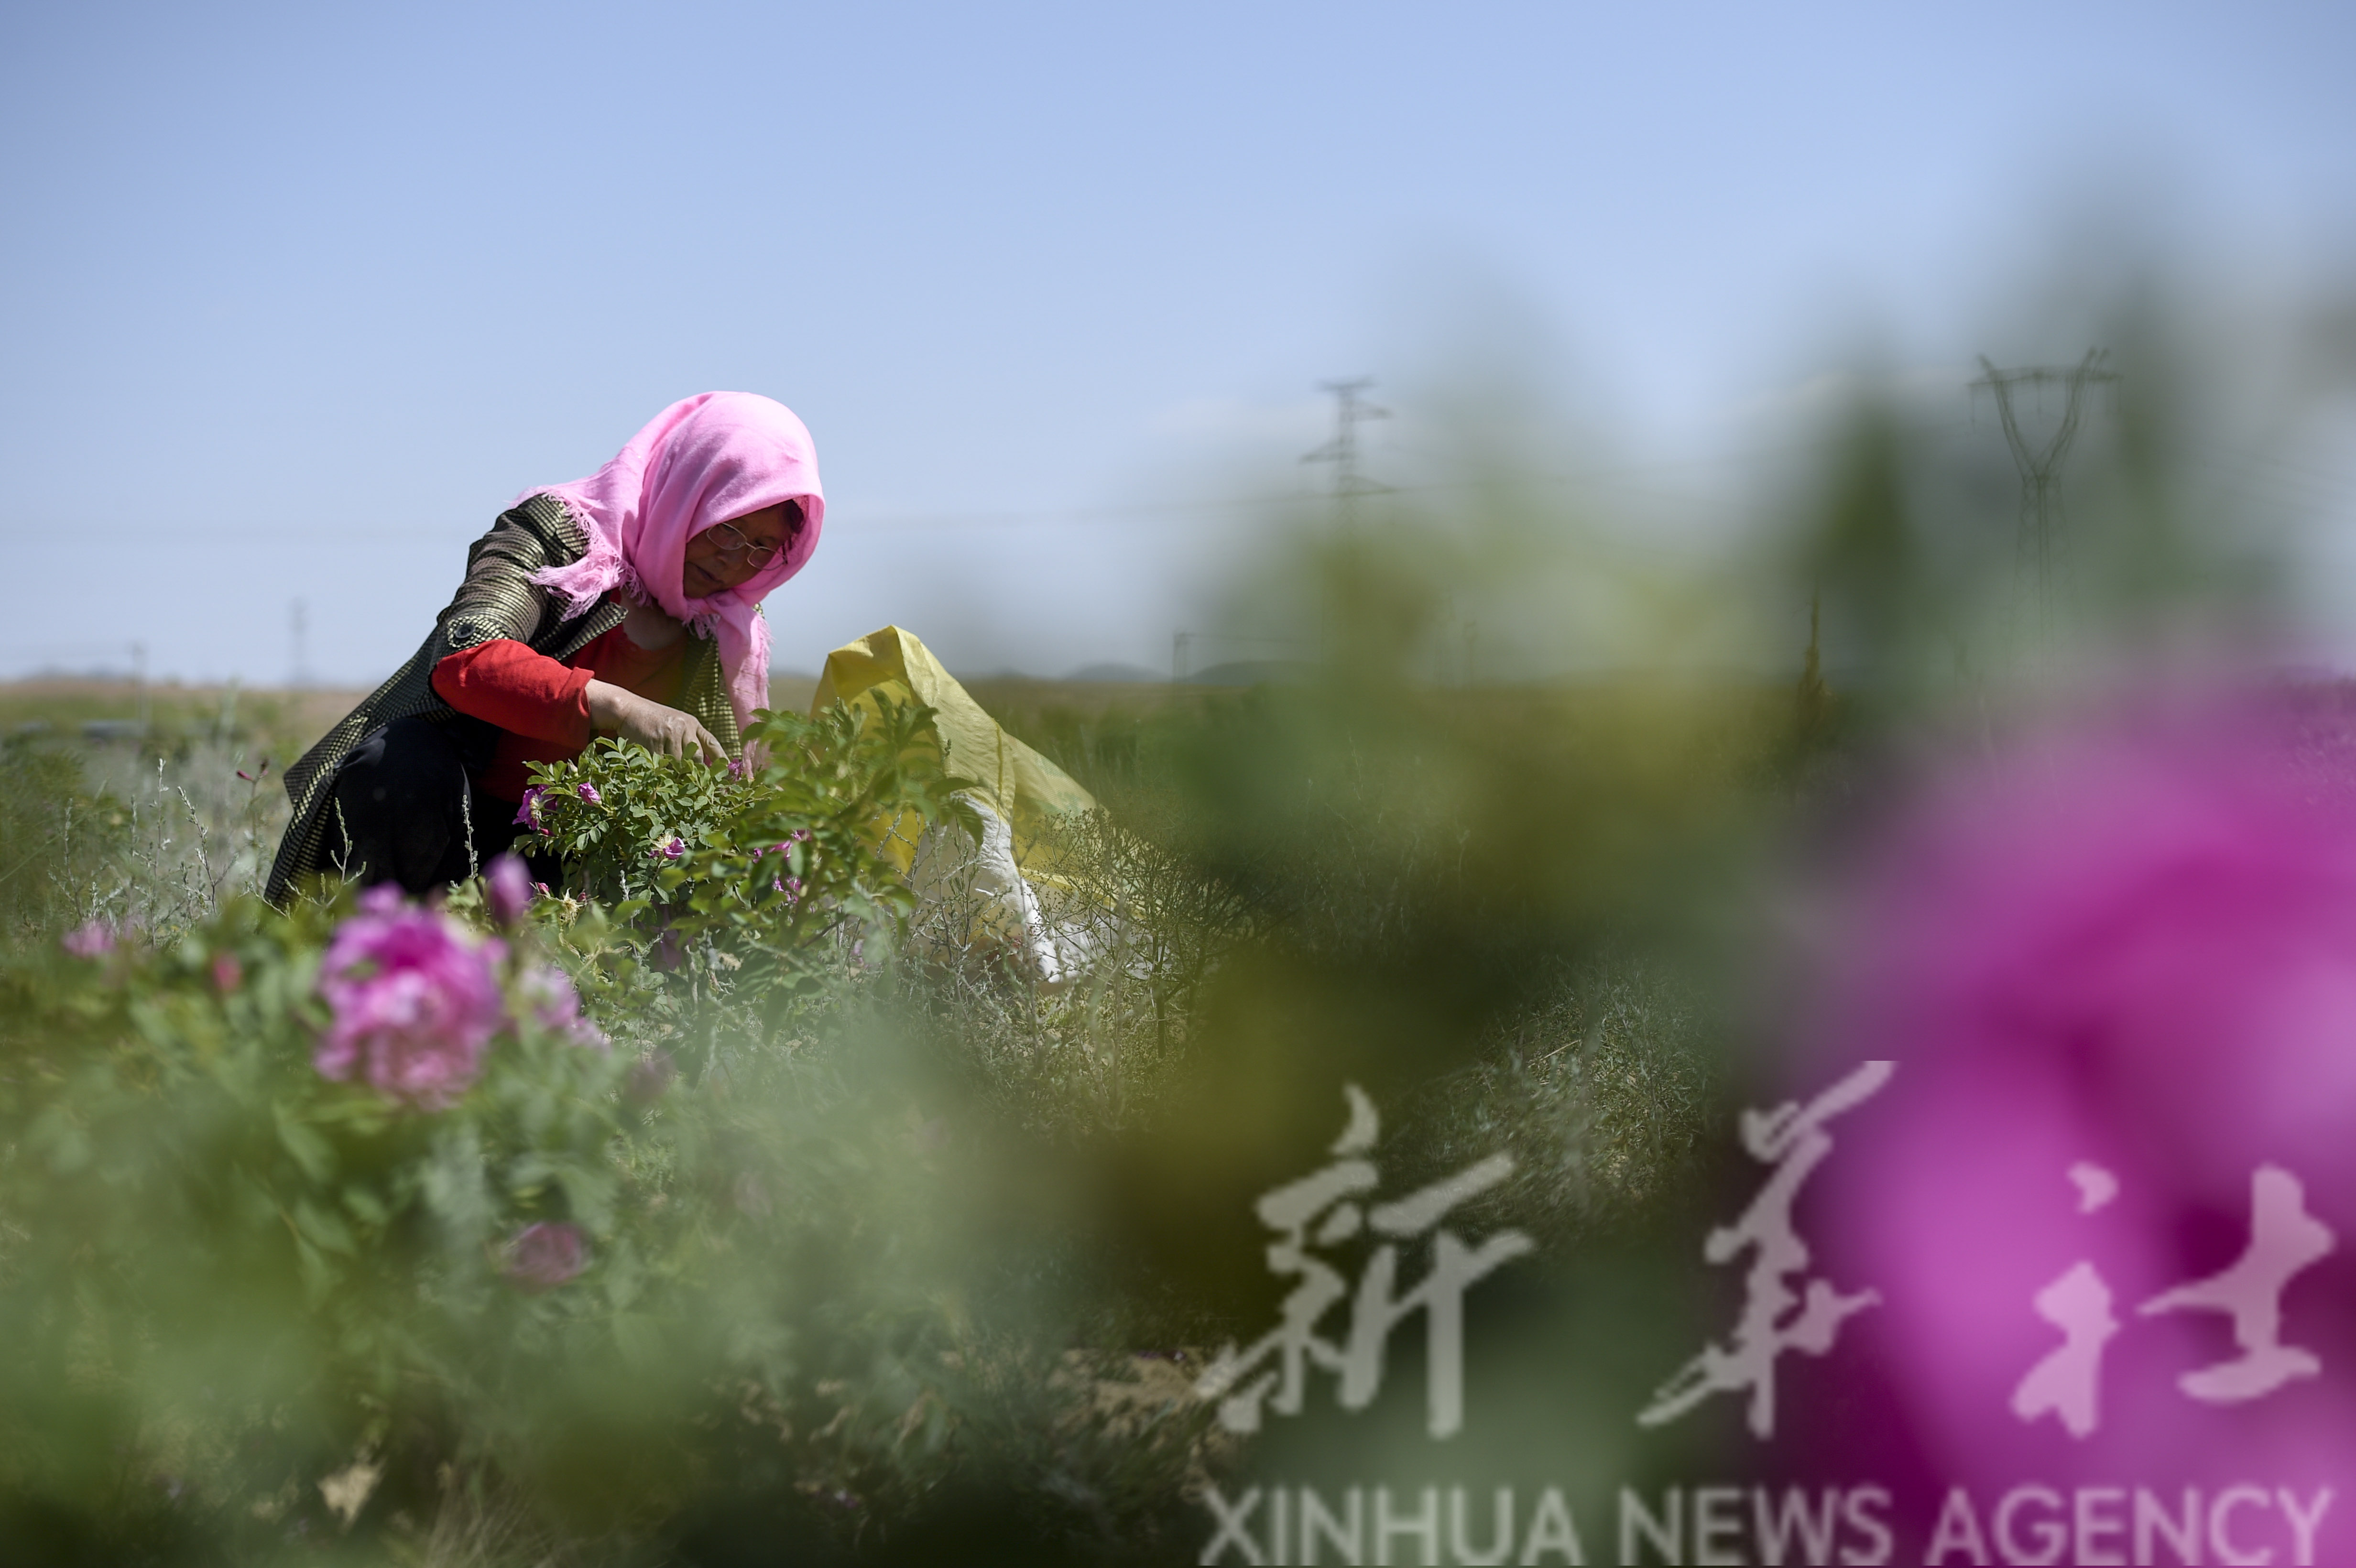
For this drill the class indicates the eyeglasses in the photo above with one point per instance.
(732, 544)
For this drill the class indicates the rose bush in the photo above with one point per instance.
(367, 1181)
(751, 880)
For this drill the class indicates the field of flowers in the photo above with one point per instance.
(706, 1205)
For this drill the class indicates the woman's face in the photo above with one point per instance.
(725, 556)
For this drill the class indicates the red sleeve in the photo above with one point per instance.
(507, 683)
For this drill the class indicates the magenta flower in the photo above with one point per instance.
(2119, 979)
(736, 767)
(415, 1002)
(545, 1255)
(227, 973)
(528, 814)
(91, 939)
(556, 1005)
(507, 888)
(671, 848)
(588, 792)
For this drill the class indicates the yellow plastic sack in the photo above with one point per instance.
(1022, 787)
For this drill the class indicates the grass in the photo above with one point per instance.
(148, 822)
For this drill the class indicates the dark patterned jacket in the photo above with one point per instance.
(498, 599)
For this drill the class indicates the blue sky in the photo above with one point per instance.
(296, 297)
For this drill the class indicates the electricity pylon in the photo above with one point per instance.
(2040, 553)
(1349, 411)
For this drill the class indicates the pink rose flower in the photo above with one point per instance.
(2118, 980)
(227, 973)
(507, 888)
(545, 1255)
(528, 814)
(556, 1005)
(588, 792)
(671, 848)
(415, 1002)
(91, 939)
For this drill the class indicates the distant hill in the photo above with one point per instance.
(1252, 672)
(1117, 674)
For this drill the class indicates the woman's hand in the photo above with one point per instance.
(663, 730)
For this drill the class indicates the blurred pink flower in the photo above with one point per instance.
(556, 1005)
(545, 1255)
(2117, 978)
(414, 1002)
(588, 792)
(507, 888)
(91, 939)
(651, 1078)
(227, 973)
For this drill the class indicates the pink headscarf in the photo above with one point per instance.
(707, 459)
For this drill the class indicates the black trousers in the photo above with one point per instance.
(410, 812)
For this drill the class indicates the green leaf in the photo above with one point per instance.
(311, 1151)
(322, 1228)
(366, 1205)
